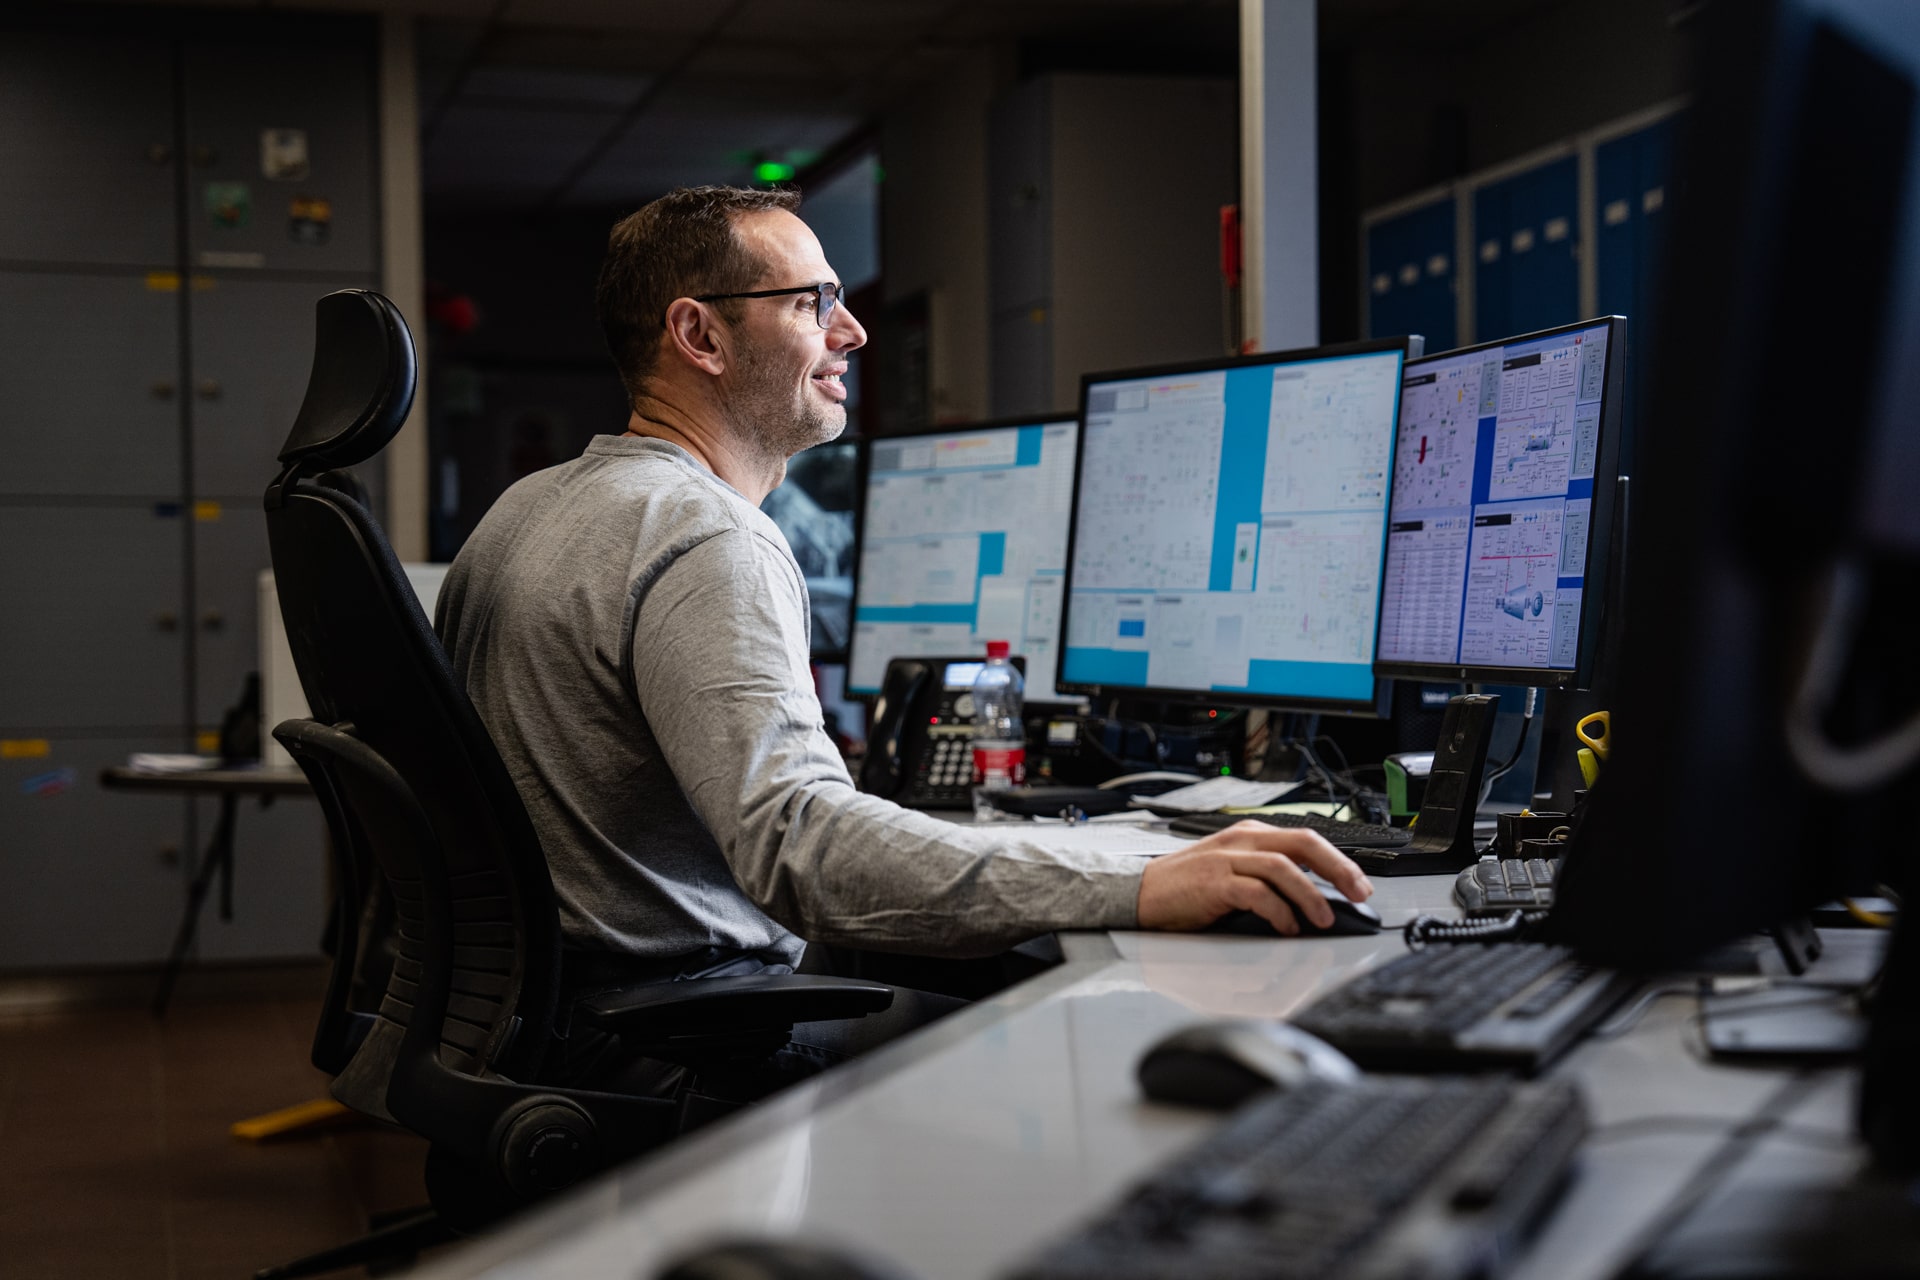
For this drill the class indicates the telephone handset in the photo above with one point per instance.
(920, 748)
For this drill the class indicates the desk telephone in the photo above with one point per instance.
(920, 749)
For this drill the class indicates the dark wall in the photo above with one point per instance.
(521, 378)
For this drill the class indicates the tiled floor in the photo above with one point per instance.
(115, 1158)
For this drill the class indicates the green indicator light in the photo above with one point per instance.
(772, 171)
(1226, 770)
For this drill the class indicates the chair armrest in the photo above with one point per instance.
(708, 1006)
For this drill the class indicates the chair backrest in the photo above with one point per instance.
(370, 664)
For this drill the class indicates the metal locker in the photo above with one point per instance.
(86, 144)
(279, 881)
(280, 157)
(252, 351)
(91, 635)
(229, 551)
(89, 394)
(1410, 272)
(92, 877)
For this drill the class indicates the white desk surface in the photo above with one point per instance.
(957, 1151)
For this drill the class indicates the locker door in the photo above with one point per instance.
(1617, 189)
(86, 147)
(92, 876)
(1492, 265)
(88, 396)
(90, 631)
(1433, 298)
(290, 203)
(1546, 274)
(279, 882)
(252, 351)
(1386, 299)
(229, 550)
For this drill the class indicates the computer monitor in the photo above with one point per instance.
(814, 508)
(963, 539)
(1229, 522)
(1502, 509)
(1767, 701)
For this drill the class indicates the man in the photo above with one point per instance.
(633, 631)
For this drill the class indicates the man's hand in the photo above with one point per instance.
(1250, 866)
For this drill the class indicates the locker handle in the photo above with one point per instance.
(163, 390)
(167, 620)
(204, 155)
(160, 152)
(209, 389)
(213, 620)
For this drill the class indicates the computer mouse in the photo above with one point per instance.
(775, 1260)
(1349, 919)
(1222, 1064)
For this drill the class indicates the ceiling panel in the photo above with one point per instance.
(505, 154)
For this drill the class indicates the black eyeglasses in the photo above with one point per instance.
(827, 296)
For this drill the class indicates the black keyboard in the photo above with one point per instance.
(1382, 1178)
(1466, 1006)
(1495, 886)
(1358, 835)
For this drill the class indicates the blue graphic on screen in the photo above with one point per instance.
(1230, 528)
(964, 541)
(1492, 495)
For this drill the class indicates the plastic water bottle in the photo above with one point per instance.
(999, 734)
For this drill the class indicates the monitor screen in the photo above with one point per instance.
(1229, 522)
(1497, 533)
(814, 507)
(963, 539)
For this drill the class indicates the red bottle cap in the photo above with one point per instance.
(998, 648)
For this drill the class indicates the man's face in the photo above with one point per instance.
(785, 382)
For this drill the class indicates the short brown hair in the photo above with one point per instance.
(680, 246)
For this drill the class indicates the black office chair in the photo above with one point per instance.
(411, 783)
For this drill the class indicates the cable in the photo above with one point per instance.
(1863, 766)
(1742, 1138)
(1520, 745)
(1629, 1018)
(1654, 1126)
(1512, 927)
(1872, 919)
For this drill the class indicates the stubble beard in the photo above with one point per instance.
(765, 409)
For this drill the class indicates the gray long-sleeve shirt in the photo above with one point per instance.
(633, 632)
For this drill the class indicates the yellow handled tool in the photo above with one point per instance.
(1596, 731)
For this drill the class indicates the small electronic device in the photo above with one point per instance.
(1350, 919)
(1229, 524)
(920, 748)
(1222, 1064)
(1505, 487)
(1440, 1179)
(962, 540)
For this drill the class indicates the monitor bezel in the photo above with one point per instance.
(1373, 707)
(1600, 527)
(862, 470)
(844, 654)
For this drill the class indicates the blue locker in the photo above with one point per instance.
(1630, 189)
(1410, 275)
(1526, 274)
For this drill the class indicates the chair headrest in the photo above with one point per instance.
(361, 386)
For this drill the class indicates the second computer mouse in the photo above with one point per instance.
(1349, 919)
(775, 1260)
(1222, 1064)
